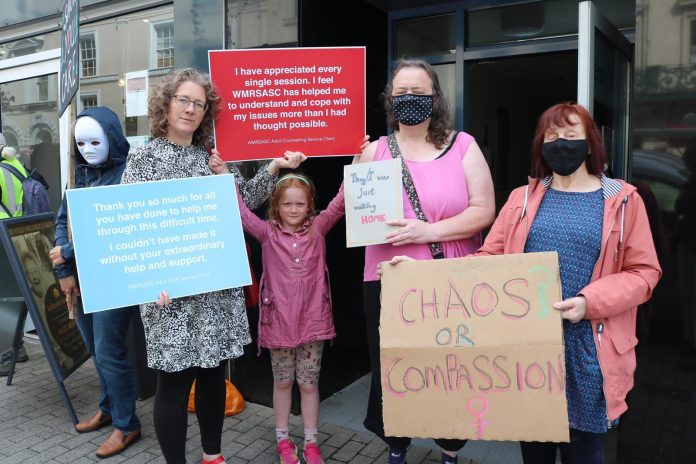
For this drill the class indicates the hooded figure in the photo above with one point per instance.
(100, 154)
(107, 172)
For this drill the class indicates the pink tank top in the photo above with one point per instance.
(442, 191)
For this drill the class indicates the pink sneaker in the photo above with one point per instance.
(312, 454)
(218, 460)
(287, 451)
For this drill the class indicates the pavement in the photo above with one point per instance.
(35, 426)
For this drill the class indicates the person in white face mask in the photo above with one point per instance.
(91, 141)
(100, 151)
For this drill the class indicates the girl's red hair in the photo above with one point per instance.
(285, 183)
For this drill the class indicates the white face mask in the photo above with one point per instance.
(91, 141)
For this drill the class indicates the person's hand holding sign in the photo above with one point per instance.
(289, 160)
(216, 164)
(573, 309)
(410, 231)
(163, 299)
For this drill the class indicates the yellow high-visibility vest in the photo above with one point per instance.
(11, 193)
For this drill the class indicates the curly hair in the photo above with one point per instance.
(291, 180)
(160, 99)
(439, 128)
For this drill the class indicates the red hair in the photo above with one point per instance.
(292, 180)
(559, 115)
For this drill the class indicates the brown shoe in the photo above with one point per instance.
(117, 442)
(95, 423)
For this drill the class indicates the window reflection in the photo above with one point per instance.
(534, 20)
(115, 50)
(261, 23)
(664, 168)
(30, 45)
(446, 74)
(433, 35)
(30, 125)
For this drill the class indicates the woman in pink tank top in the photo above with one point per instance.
(455, 191)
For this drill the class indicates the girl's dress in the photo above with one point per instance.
(295, 300)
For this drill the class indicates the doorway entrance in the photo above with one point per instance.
(505, 98)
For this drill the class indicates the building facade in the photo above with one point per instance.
(501, 63)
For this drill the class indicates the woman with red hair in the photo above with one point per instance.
(608, 267)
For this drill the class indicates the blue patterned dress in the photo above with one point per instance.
(570, 223)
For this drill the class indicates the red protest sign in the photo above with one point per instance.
(302, 99)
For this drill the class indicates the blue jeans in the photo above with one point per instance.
(104, 333)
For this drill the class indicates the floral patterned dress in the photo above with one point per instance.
(205, 329)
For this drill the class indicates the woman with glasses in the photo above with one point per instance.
(189, 338)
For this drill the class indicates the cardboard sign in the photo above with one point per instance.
(132, 241)
(471, 348)
(301, 99)
(373, 197)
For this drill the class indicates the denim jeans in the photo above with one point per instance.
(104, 333)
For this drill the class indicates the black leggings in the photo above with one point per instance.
(374, 421)
(584, 448)
(171, 399)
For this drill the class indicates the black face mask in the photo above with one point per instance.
(411, 110)
(564, 157)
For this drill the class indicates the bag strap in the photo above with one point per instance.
(435, 247)
(14, 171)
(7, 211)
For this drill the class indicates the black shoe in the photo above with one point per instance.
(6, 359)
(396, 456)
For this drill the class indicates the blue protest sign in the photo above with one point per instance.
(132, 241)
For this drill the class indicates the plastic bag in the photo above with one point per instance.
(234, 401)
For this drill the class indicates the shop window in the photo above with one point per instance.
(434, 35)
(164, 45)
(88, 55)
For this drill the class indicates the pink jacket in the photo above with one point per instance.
(295, 300)
(624, 276)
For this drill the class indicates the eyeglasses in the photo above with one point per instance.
(183, 101)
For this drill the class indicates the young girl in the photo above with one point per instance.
(295, 304)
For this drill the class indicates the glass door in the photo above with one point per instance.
(605, 59)
(29, 115)
(29, 121)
